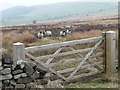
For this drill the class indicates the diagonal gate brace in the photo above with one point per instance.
(86, 57)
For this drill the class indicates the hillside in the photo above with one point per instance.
(26, 15)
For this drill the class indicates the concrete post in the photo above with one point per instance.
(110, 52)
(18, 51)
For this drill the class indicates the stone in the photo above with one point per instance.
(41, 77)
(6, 71)
(21, 63)
(12, 82)
(0, 62)
(20, 86)
(9, 87)
(17, 76)
(0, 76)
(17, 72)
(35, 75)
(28, 69)
(41, 81)
(41, 69)
(24, 80)
(14, 65)
(5, 77)
(44, 81)
(33, 65)
(20, 75)
(40, 86)
(6, 82)
(17, 67)
(24, 75)
(1, 84)
(1, 68)
(34, 85)
(7, 65)
(30, 85)
(7, 59)
(54, 84)
(38, 81)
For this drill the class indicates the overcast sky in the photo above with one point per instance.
(4, 4)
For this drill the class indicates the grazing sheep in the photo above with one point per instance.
(68, 31)
(48, 33)
(63, 33)
(40, 35)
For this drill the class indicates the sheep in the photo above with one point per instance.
(48, 33)
(68, 31)
(63, 33)
(40, 34)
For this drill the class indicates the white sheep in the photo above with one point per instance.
(63, 33)
(68, 31)
(40, 35)
(48, 33)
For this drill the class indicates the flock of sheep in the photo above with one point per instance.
(46, 33)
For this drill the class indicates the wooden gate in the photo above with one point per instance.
(69, 60)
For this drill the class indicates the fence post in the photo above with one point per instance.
(18, 51)
(110, 57)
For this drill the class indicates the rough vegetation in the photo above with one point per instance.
(12, 37)
(80, 29)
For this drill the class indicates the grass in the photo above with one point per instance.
(99, 82)
(93, 84)
(82, 35)
(12, 37)
(46, 40)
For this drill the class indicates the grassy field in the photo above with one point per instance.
(99, 82)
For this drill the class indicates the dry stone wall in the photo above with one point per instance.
(21, 74)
